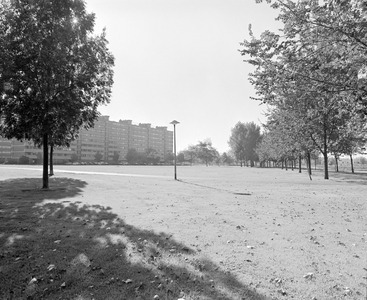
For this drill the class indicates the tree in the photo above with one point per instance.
(54, 71)
(168, 158)
(206, 152)
(151, 156)
(191, 154)
(237, 142)
(252, 139)
(115, 157)
(133, 157)
(24, 160)
(98, 156)
(181, 157)
(73, 157)
(311, 72)
(227, 159)
(39, 158)
(243, 140)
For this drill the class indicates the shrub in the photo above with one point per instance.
(24, 160)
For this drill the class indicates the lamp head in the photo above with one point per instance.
(174, 122)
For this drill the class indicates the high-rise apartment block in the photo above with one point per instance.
(106, 137)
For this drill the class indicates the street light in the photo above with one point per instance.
(174, 122)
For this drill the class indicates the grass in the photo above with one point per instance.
(62, 249)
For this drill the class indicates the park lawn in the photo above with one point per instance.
(218, 233)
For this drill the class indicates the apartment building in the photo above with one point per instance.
(106, 137)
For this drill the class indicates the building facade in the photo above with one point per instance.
(106, 138)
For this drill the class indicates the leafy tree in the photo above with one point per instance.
(168, 158)
(181, 157)
(151, 156)
(191, 154)
(227, 159)
(252, 139)
(54, 72)
(311, 72)
(243, 140)
(24, 160)
(73, 157)
(39, 158)
(98, 156)
(115, 157)
(133, 157)
(206, 152)
(237, 142)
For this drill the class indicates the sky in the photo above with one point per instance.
(179, 60)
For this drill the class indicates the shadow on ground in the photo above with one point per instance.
(357, 177)
(66, 250)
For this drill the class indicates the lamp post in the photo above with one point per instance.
(174, 122)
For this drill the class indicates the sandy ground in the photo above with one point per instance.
(275, 230)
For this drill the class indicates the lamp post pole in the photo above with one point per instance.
(174, 122)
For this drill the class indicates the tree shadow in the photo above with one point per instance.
(28, 188)
(65, 250)
(356, 177)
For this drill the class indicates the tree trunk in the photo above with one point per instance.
(282, 165)
(309, 164)
(45, 162)
(326, 167)
(351, 162)
(292, 165)
(336, 163)
(300, 164)
(286, 165)
(51, 161)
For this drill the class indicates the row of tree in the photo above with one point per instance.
(133, 157)
(243, 141)
(54, 72)
(313, 78)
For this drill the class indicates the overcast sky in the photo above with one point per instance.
(179, 60)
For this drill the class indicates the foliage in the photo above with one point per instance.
(312, 77)
(168, 158)
(132, 156)
(181, 157)
(115, 157)
(205, 152)
(151, 157)
(24, 160)
(98, 156)
(39, 158)
(190, 154)
(243, 140)
(237, 142)
(227, 159)
(73, 157)
(54, 71)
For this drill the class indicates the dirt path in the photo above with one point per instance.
(277, 231)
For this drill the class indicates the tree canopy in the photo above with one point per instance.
(54, 71)
(312, 75)
(243, 141)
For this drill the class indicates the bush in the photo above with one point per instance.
(24, 160)
(11, 161)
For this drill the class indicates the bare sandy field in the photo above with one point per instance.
(277, 232)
